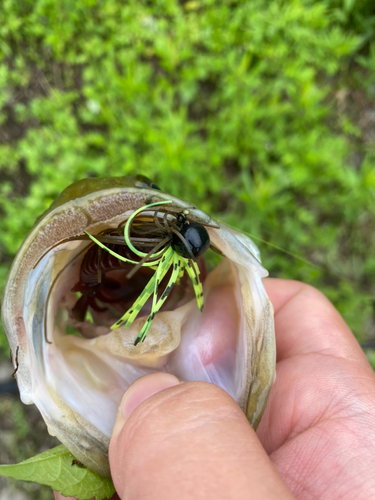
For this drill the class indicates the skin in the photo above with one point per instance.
(315, 441)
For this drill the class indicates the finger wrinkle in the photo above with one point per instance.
(281, 291)
(330, 353)
(314, 333)
(302, 310)
(303, 462)
(156, 400)
(186, 402)
(343, 400)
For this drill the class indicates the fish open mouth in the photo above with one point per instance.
(99, 363)
(76, 367)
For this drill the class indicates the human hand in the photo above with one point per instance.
(192, 440)
(318, 427)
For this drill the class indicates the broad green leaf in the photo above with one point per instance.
(59, 469)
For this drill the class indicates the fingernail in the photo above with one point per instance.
(143, 388)
(138, 392)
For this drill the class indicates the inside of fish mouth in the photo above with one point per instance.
(93, 373)
(208, 345)
(102, 304)
(103, 290)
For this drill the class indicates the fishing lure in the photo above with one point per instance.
(180, 244)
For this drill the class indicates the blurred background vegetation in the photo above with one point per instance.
(260, 112)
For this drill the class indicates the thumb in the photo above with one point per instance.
(190, 440)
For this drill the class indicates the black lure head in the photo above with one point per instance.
(195, 236)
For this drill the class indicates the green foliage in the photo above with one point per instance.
(356, 16)
(59, 469)
(370, 353)
(233, 105)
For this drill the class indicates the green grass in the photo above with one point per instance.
(253, 110)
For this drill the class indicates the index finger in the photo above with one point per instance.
(306, 322)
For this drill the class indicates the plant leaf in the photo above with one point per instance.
(59, 469)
